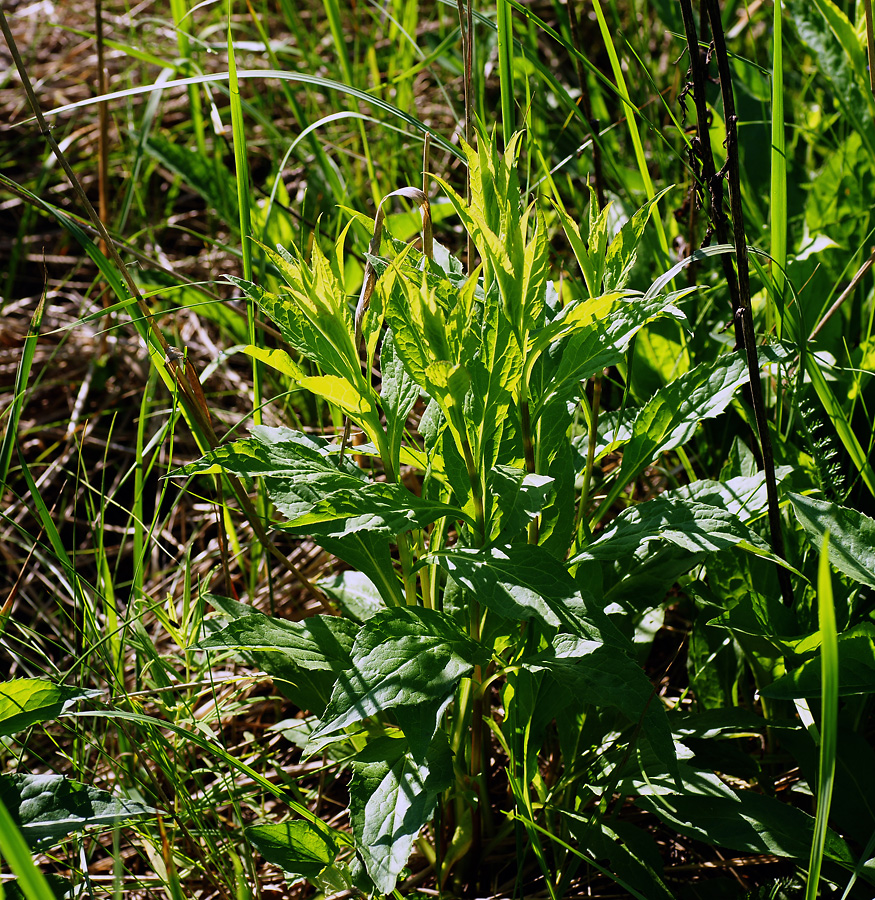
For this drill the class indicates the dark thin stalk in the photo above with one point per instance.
(745, 312)
(702, 161)
(586, 107)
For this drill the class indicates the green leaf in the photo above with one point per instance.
(339, 392)
(26, 701)
(401, 657)
(743, 496)
(525, 582)
(672, 415)
(398, 394)
(299, 847)
(391, 797)
(367, 551)
(841, 58)
(276, 359)
(517, 498)
(354, 592)
(202, 174)
(747, 821)
(597, 344)
(47, 808)
(851, 535)
(604, 676)
(623, 249)
(856, 670)
(375, 506)
(305, 658)
(693, 526)
(296, 468)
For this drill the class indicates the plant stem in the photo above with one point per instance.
(745, 313)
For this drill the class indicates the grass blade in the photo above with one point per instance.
(13, 848)
(829, 654)
(778, 233)
(505, 69)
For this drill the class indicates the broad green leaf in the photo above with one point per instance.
(693, 526)
(339, 392)
(672, 415)
(743, 496)
(296, 468)
(47, 808)
(604, 676)
(276, 359)
(354, 592)
(856, 671)
(391, 798)
(525, 582)
(517, 498)
(367, 551)
(305, 658)
(375, 506)
(299, 847)
(401, 657)
(851, 535)
(27, 701)
(764, 616)
(601, 344)
(747, 821)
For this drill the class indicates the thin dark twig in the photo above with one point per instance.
(745, 312)
(702, 160)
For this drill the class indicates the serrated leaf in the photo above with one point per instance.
(297, 469)
(851, 535)
(299, 847)
(391, 799)
(401, 657)
(602, 343)
(517, 498)
(276, 359)
(49, 807)
(623, 249)
(743, 495)
(693, 526)
(375, 506)
(339, 392)
(26, 701)
(367, 551)
(672, 415)
(398, 394)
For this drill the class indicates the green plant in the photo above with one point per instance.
(476, 610)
